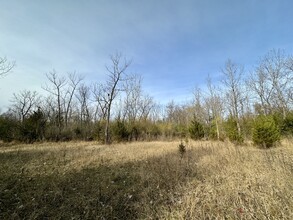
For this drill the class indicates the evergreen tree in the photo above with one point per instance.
(196, 130)
(265, 132)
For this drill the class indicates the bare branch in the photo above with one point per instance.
(5, 66)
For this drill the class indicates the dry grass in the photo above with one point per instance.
(213, 180)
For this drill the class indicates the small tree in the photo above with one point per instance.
(106, 94)
(265, 132)
(196, 130)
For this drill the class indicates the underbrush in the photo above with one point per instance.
(153, 180)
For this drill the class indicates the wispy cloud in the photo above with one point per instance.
(174, 44)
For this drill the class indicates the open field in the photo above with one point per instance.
(145, 180)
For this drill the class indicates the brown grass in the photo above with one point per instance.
(84, 180)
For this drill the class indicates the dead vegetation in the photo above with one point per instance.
(153, 180)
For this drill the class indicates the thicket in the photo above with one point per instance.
(119, 110)
(265, 131)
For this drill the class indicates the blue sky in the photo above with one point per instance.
(174, 45)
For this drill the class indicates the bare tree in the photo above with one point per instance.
(56, 89)
(5, 66)
(49, 108)
(73, 81)
(198, 105)
(105, 94)
(133, 92)
(290, 86)
(271, 82)
(137, 106)
(274, 65)
(146, 105)
(83, 96)
(233, 84)
(170, 111)
(214, 105)
(24, 103)
(179, 114)
(259, 85)
(101, 108)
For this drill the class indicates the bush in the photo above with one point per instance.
(196, 130)
(287, 125)
(232, 131)
(180, 130)
(33, 128)
(153, 131)
(120, 131)
(265, 132)
(9, 128)
(99, 130)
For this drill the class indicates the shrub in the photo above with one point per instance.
(120, 131)
(196, 130)
(180, 130)
(33, 128)
(9, 128)
(232, 131)
(265, 132)
(181, 149)
(134, 131)
(287, 125)
(99, 130)
(211, 130)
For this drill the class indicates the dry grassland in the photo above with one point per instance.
(84, 180)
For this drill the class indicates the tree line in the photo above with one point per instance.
(255, 105)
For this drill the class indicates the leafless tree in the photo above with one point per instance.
(233, 84)
(258, 83)
(274, 65)
(107, 92)
(137, 106)
(63, 90)
(101, 108)
(83, 96)
(5, 66)
(146, 106)
(25, 102)
(49, 108)
(179, 114)
(73, 81)
(133, 92)
(290, 78)
(214, 105)
(272, 82)
(170, 110)
(55, 88)
(198, 105)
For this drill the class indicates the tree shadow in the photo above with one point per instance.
(128, 190)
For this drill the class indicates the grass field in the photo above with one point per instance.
(146, 180)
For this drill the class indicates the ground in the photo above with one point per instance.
(146, 180)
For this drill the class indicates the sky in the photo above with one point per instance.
(173, 44)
